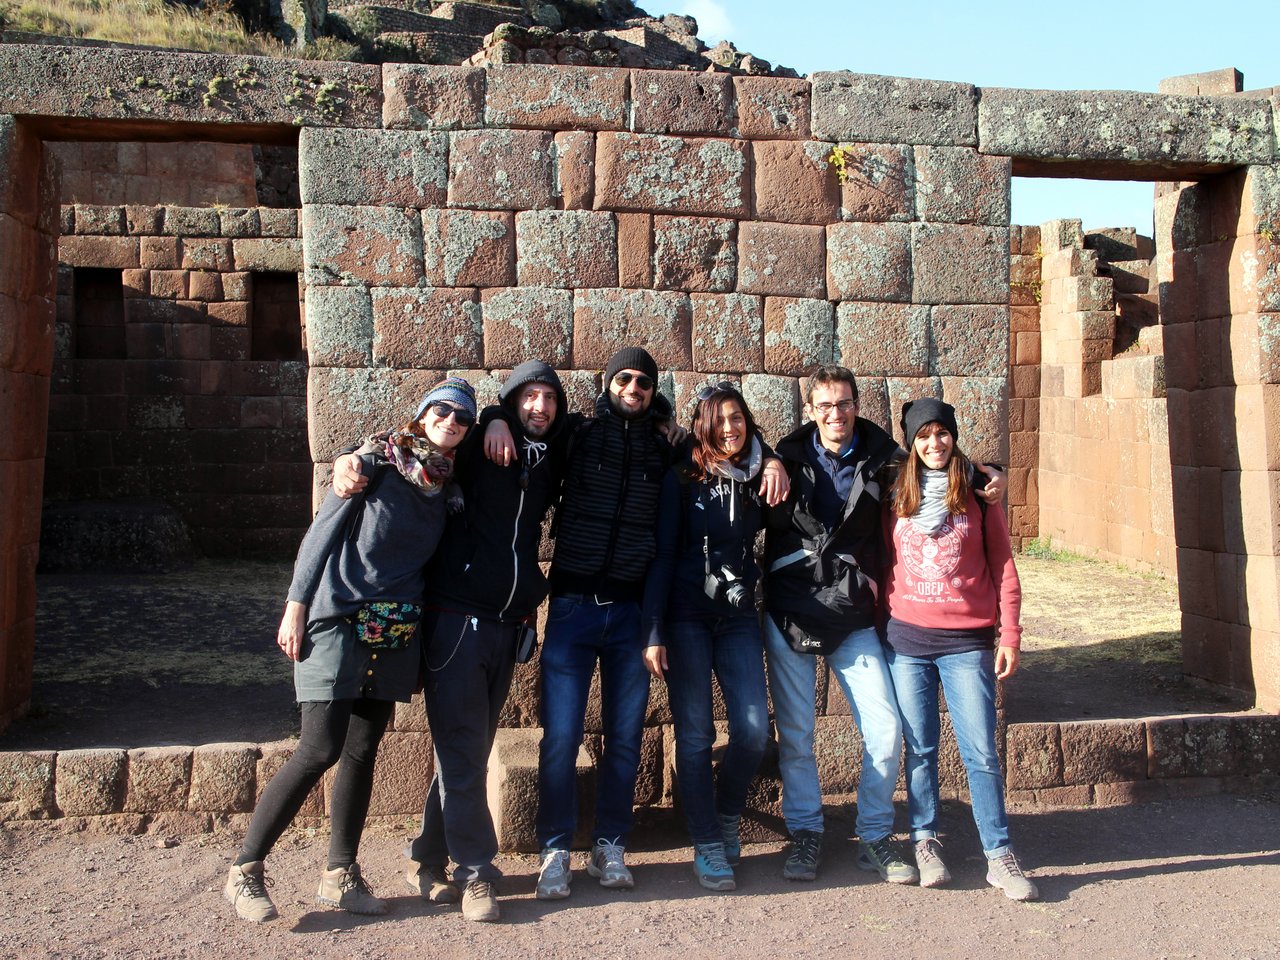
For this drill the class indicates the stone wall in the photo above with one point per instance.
(1024, 384)
(181, 174)
(1104, 484)
(167, 384)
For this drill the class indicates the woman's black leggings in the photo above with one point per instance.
(332, 730)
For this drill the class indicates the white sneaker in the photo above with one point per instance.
(554, 875)
(607, 864)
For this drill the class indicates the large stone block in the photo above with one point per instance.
(402, 168)
(346, 405)
(681, 102)
(461, 248)
(223, 778)
(20, 163)
(728, 333)
(878, 182)
(774, 401)
(968, 341)
(635, 249)
(427, 97)
(982, 415)
(339, 327)
(604, 321)
(90, 782)
(26, 785)
(120, 84)
(960, 185)
(267, 254)
(873, 109)
(794, 183)
(501, 169)
(513, 790)
(556, 98)
(869, 261)
(401, 775)
(1109, 751)
(118, 253)
(1034, 756)
(369, 246)
(159, 778)
(1140, 130)
(883, 339)
(782, 259)
(695, 253)
(652, 173)
(427, 328)
(567, 248)
(521, 323)
(575, 156)
(192, 222)
(959, 264)
(798, 335)
(772, 108)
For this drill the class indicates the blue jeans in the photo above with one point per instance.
(732, 648)
(969, 681)
(858, 664)
(578, 635)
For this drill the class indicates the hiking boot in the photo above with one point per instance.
(554, 875)
(345, 888)
(880, 856)
(431, 882)
(246, 890)
(480, 902)
(806, 854)
(933, 872)
(730, 831)
(711, 868)
(1004, 872)
(606, 863)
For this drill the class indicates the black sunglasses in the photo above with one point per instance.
(711, 389)
(442, 410)
(643, 382)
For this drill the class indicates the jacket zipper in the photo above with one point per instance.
(515, 558)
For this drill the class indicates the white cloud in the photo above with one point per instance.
(712, 17)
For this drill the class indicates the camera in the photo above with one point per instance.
(725, 584)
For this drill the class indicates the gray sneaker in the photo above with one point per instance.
(607, 864)
(880, 856)
(480, 902)
(345, 888)
(554, 875)
(431, 882)
(933, 871)
(806, 854)
(1005, 873)
(246, 890)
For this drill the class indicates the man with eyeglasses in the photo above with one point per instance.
(484, 586)
(823, 555)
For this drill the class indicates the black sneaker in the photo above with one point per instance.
(880, 856)
(806, 853)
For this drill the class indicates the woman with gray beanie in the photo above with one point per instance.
(953, 599)
(351, 627)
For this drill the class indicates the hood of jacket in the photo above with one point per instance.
(534, 371)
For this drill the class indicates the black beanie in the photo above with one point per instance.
(917, 413)
(631, 358)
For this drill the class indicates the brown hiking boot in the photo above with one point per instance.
(246, 890)
(480, 902)
(345, 888)
(431, 882)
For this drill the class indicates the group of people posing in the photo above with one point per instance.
(421, 570)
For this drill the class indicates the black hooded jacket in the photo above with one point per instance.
(487, 561)
(827, 582)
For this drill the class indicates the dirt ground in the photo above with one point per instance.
(1189, 878)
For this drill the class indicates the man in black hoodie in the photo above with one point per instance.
(483, 584)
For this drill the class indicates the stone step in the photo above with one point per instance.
(513, 790)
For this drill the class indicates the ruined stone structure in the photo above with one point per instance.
(460, 219)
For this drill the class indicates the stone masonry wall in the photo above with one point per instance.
(1024, 384)
(180, 174)
(1105, 485)
(168, 392)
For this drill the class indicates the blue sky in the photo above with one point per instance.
(1128, 45)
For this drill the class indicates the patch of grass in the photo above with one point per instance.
(1042, 548)
(213, 28)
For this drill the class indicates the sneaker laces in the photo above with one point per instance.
(713, 855)
(480, 889)
(925, 852)
(612, 852)
(253, 885)
(1010, 864)
(805, 848)
(354, 880)
(554, 862)
(882, 849)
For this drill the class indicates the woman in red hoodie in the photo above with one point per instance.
(953, 600)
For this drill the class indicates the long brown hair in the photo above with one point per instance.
(707, 449)
(906, 487)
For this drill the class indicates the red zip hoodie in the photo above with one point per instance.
(962, 578)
